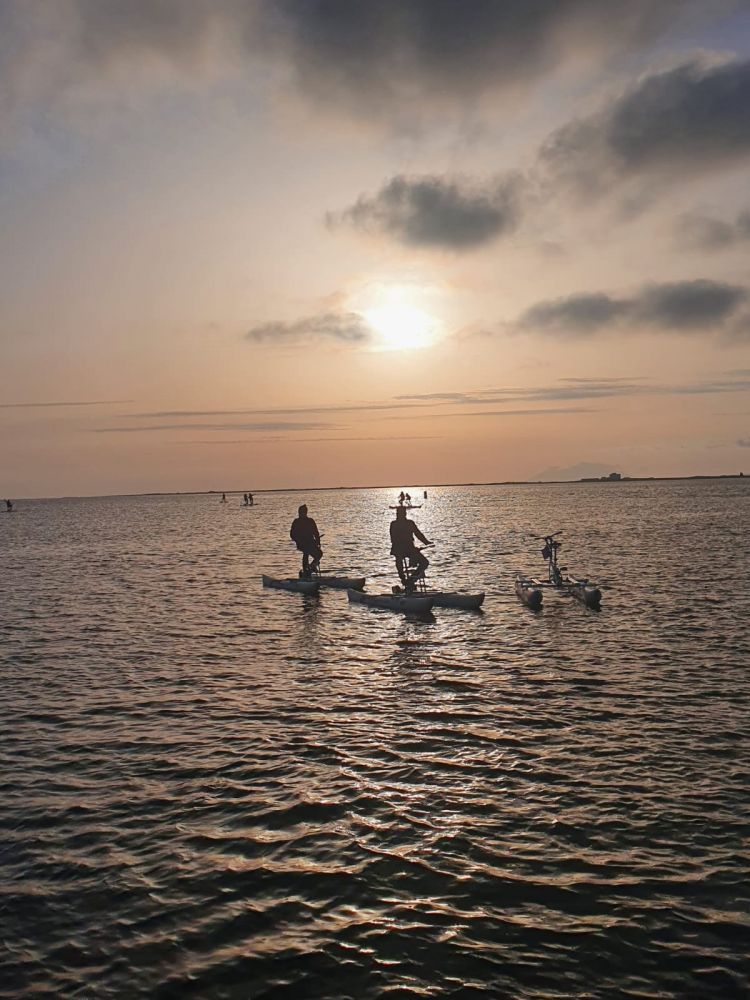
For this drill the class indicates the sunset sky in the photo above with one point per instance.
(252, 245)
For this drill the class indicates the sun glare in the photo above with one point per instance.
(401, 327)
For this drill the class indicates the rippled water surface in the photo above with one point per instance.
(214, 790)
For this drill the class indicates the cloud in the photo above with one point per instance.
(277, 410)
(68, 53)
(436, 212)
(386, 59)
(587, 314)
(559, 410)
(692, 118)
(293, 440)
(681, 306)
(688, 305)
(393, 56)
(669, 126)
(255, 427)
(703, 232)
(343, 327)
(86, 402)
(740, 329)
(562, 390)
(572, 389)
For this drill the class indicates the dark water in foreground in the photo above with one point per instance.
(210, 790)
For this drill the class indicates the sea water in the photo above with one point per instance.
(211, 790)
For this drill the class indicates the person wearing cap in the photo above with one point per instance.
(403, 533)
(305, 535)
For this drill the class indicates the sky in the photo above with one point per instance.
(256, 244)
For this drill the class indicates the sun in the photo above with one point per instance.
(401, 327)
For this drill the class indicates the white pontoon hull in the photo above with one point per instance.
(529, 593)
(446, 599)
(392, 602)
(585, 592)
(292, 583)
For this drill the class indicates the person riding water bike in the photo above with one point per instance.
(304, 533)
(403, 533)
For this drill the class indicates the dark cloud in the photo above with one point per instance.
(669, 126)
(682, 306)
(688, 305)
(392, 55)
(703, 232)
(344, 328)
(385, 58)
(586, 314)
(692, 118)
(437, 212)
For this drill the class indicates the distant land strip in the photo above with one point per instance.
(426, 486)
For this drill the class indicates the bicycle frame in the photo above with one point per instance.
(549, 552)
(412, 579)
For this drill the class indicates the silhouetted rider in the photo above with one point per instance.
(305, 535)
(403, 533)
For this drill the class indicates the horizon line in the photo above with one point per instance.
(427, 486)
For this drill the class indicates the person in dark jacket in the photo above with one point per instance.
(403, 533)
(305, 535)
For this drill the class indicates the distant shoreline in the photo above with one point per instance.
(426, 486)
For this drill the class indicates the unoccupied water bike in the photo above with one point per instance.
(530, 590)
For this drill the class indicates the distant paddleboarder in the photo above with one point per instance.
(305, 535)
(9, 505)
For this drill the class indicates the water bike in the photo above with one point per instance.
(414, 581)
(311, 580)
(301, 586)
(530, 591)
(334, 580)
(398, 600)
